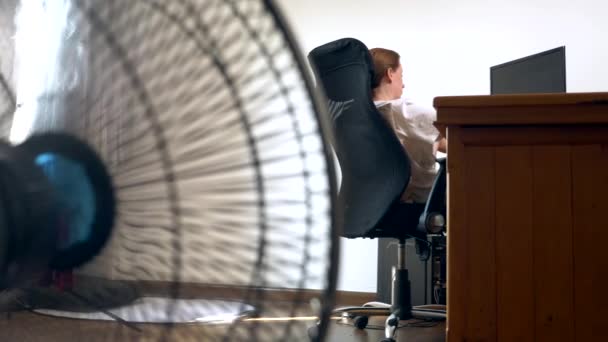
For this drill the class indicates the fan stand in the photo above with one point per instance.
(400, 307)
(60, 291)
(92, 298)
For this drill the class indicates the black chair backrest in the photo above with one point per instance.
(375, 170)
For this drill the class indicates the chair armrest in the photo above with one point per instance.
(436, 203)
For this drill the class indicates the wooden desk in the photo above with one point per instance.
(527, 217)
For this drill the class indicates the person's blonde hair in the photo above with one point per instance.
(384, 59)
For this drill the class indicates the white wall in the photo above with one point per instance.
(447, 48)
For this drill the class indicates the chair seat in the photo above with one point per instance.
(399, 222)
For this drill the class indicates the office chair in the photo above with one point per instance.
(375, 172)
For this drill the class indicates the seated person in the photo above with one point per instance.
(412, 124)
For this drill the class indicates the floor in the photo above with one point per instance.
(20, 325)
(31, 327)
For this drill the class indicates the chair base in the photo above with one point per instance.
(360, 316)
(437, 312)
(399, 309)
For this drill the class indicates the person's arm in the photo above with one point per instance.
(441, 144)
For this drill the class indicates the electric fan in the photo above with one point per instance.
(7, 105)
(168, 175)
(7, 94)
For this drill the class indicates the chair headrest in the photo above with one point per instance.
(341, 53)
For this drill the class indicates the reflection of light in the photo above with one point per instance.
(225, 319)
(218, 319)
(40, 26)
(281, 319)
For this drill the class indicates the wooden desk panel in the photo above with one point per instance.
(527, 223)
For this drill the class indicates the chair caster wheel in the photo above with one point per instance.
(360, 322)
(313, 334)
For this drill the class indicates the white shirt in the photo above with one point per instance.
(413, 126)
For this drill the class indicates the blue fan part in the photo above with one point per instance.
(74, 195)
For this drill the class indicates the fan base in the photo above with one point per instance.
(165, 310)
